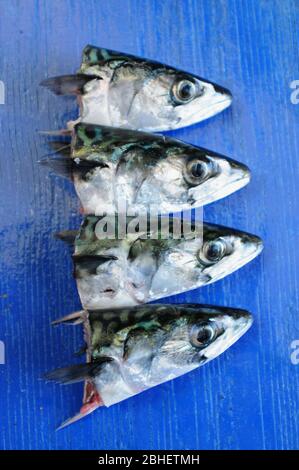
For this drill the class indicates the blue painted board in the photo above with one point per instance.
(248, 397)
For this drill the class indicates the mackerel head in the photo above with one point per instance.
(133, 349)
(123, 90)
(136, 268)
(119, 170)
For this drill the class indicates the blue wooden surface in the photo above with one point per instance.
(247, 398)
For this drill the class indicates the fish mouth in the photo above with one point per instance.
(239, 177)
(255, 246)
(245, 321)
(221, 102)
(245, 318)
(235, 185)
(252, 247)
(223, 91)
(205, 107)
(241, 322)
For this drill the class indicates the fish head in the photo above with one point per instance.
(134, 349)
(156, 343)
(224, 250)
(210, 176)
(191, 177)
(191, 336)
(214, 329)
(148, 95)
(200, 334)
(134, 269)
(165, 99)
(192, 99)
(183, 176)
(205, 255)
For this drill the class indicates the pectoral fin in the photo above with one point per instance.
(68, 84)
(78, 372)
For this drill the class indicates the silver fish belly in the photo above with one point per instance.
(142, 267)
(133, 349)
(117, 170)
(127, 91)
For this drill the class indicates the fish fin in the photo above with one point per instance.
(68, 84)
(74, 318)
(90, 263)
(70, 421)
(62, 166)
(86, 409)
(67, 236)
(81, 351)
(60, 147)
(82, 167)
(66, 166)
(58, 132)
(77, 373)
(75, 418)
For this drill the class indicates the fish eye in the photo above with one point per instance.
(184, 91)
(213, 251)
(202, 334)
(199, 170)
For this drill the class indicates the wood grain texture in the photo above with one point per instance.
(247, 398)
